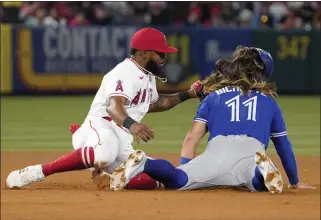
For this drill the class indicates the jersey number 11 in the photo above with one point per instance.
(234, 104)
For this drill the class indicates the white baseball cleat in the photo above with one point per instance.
(26, 176)
(133, 166)
(272, 176)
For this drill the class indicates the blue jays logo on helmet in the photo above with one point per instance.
(267, 60)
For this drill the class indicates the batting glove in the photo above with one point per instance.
(197, 87)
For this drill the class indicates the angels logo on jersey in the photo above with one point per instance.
(119, 86)
(138, 97)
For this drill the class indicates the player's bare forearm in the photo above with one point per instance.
(116, 109)
(166, 102)
(189, 147)
(192, 139)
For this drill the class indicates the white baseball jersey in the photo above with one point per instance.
(127, 79)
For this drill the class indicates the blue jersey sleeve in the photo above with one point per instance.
(203, 110)
(283, 146)
(278, 127)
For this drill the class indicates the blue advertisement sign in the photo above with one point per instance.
(75, 59)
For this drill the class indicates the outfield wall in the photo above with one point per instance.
(48, 60)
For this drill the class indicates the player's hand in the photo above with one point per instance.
(141, 131)
(301, 186)
(196, 90)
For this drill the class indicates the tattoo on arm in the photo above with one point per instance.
(165, 102)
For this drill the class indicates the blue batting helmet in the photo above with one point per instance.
(267, 60)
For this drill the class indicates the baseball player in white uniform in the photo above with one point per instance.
(126, 94)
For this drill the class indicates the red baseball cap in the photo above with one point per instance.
(151, 39)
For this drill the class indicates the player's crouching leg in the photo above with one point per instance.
(102, 178)
(80, 159)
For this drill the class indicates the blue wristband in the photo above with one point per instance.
(184, 160)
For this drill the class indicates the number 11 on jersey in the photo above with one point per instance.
(234, 104)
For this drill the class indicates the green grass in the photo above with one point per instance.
(41, 124)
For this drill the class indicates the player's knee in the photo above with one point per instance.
(181, 179)
(104, 155)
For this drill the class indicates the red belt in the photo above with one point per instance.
(107, 118)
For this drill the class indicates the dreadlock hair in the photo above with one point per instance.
(244, 70)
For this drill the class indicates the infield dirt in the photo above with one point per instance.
(73, 196)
